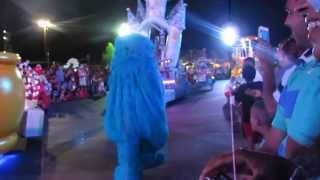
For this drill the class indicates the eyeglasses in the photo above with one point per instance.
(301, 11)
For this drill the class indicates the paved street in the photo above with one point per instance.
(78, 150)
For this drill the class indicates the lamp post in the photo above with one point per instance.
(229, 35)
(6, 41)
(45, 25)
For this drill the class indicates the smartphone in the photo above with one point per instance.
(315, 4)
(264, 33)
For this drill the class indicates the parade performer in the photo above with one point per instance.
(136, 118)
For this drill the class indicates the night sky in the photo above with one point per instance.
(85, 25)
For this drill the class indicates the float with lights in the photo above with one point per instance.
(201, 74)
(242, 50)
(165, 30)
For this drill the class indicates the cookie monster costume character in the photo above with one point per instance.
(136, 118)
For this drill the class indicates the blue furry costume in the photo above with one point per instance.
(136, 118)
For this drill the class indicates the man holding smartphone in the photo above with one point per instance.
(297, 116)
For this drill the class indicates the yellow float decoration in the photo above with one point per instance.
(12, 101)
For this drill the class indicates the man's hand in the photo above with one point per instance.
(250, 165)
(265, 55)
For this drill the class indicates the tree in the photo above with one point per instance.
(108, 54)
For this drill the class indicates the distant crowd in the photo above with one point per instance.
(62, 83)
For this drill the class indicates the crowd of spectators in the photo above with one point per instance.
(59, 83)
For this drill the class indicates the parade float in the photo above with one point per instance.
(13, 99)
(165, 30)
(242, 49)
(222, 70)
(201, 74)
(205, 74)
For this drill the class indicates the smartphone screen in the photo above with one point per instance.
(264, 34)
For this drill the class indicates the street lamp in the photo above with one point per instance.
(45, 25)
(124, 30)
(6, 40)
(229, 35)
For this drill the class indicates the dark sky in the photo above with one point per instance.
(85, 25)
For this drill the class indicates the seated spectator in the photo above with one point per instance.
(246, 95)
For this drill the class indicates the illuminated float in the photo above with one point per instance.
(165, 30)
(242, 50)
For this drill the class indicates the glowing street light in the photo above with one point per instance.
(45, 25)
(124, 30)
(229, 35)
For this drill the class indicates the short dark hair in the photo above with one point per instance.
(248, 72)
(249, 61)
